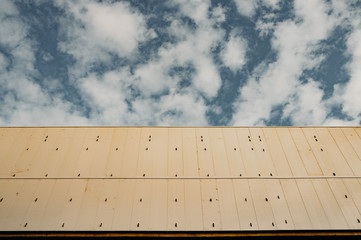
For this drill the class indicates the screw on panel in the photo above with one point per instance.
(56, 149)
(86, 149)
(176, 200)
(46, 175)
(70, 199)
(176, 149)
(321, 149)
(146, 148)
(249, 140)
(143, 174)
(27, 149)
(137, 224)
(79, 175)
(259, 174)
(14, 175)
(1, 199)
(116, 149)
(140, 200)
(101, 224)
(106, 199)
(176, 225)
(176, 175)
(62, 225)
(345, 196)
(316, 140)
(44, 140)
(205, 149)
(245, 199)
(97, 136)
(273, 224)
(250, 224)
(271, 174)
(201, 140)
(26, 224)
(235, 149)
(150, 136)
(249, 136)
(150, 140)
(240, 174)
(358, 220)
(97, 140)
(111, 174)
(334, 174)
(252, 149)
(266, 199)
(286, 221)
(210, 199)
(46, 137)
(212, 224)
(278, 196)
(263, 150)
(208, 175)
(314, 136)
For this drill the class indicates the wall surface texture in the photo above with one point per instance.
(179, 179)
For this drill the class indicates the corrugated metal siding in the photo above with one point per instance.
(179, 179)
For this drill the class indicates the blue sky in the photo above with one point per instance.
(180, 63)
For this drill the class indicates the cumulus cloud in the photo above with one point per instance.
(294, 42)
(234, 52)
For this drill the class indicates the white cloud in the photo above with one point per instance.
(246, 7)
(234, 52)
(305, 107)
(278, 83)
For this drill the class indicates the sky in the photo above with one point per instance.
(180, 63)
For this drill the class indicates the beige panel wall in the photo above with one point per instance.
(175, 179)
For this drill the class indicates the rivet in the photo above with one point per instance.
(259, 174)
(26, 224)
(176, 149)
(321, 150)
(240, 174)
(249, 140)
(175, 225)
(62, 225)
(345, 196)
(212, 224)
(27, 149)
(201, 136)
(245, 199)
(208, 175)
(334, 174)
(201, 140)
(70, 199)
(116, 149)
(252, 149)
(44, 140)
(260, 140)
(140, 200)
(259, 136)
(235, 149)
(46, 175)
(86, 149)
(314, 136)
(143, 174)
(150, 136)
(263, 149)
(97, 136)
(101, 224)
(266, 199)
(250, 224)
(176, 175)
(149, 140)
(57, 149)
(205, 149)
(286, 221)
(210, 199)
(278, 196)
(176, 200)
(1, 199)
(79, 175)
(249, 136)
(111, 174)
(46, 137)
(316, 140)
(137, 224)
(146, 148)
(14, 175)
(358, 220)
(271, 174)
(97, 140)
(273, 224)
(106, 199)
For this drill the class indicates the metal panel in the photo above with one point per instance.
(179, 179)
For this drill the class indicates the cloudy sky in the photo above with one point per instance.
(180, 63)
